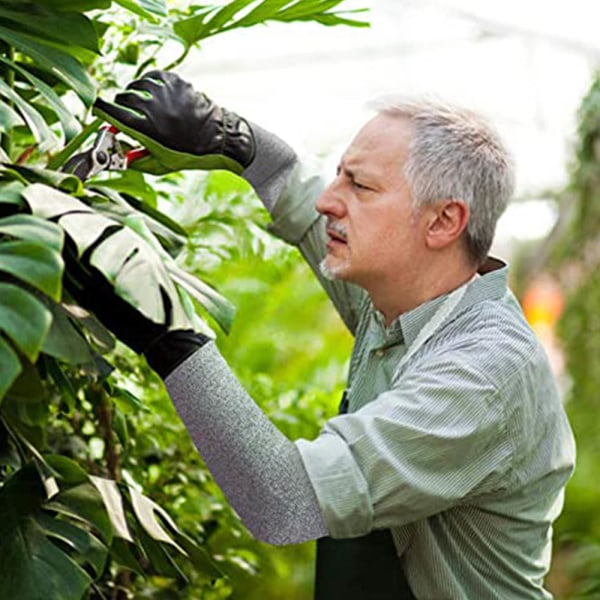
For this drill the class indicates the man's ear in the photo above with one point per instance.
(447, 220)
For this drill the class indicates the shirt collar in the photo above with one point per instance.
(490, 284)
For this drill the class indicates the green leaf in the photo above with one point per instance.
(79, 498)
(69, 124)
(147, 9)
(70, 28)
(24, 319)
(38, 265)
(91, 550)
(36, 123)
(63, 181)
(62, 382)
(190, 29)
(125, 259)
(10, 367)
(74, 5)
(217, 306)
(56, 61)
(129, 182)
(64, 341)
(10, 193)
(33, 229)
(31, 565)
(8, 118)
(264, 11)
(225, 14)
(26, 402)
(332, 20)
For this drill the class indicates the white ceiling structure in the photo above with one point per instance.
(523, 63)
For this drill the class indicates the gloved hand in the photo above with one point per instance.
(182, 128)
(164, 348)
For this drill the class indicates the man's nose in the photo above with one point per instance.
(331, 201)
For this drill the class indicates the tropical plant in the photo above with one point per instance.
(76, 521)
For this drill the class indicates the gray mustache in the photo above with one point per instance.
(337, 228)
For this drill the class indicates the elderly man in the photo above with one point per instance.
(445, 469)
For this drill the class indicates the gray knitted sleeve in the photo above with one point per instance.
(257, 467)
(272, 166)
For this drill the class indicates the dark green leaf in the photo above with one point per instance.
(82, 501)
(36, 123)
(38, 265)
(119, 424)
(28, 404)
(62, 382)
(70, 28)
(31, 566)
(33, 229)
(69, 124)
(74, 5)
(91, 550)
(55, 61)
(64, 341)
(23, 318)
(10, 367)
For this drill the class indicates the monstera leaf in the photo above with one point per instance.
(141, 271)
(29, 254)
(50, 545)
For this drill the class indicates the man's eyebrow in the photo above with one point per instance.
(356, 172)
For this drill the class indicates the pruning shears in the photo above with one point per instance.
(106, 154)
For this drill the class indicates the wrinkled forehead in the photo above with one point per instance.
(383, 141)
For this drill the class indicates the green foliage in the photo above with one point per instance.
(573, 258)
(87, 434)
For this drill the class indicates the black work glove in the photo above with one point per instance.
(182, 128)
(164, 348)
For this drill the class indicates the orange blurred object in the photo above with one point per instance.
(543, 303)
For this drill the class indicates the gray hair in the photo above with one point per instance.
(455, 154)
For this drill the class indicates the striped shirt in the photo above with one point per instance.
(456, 437)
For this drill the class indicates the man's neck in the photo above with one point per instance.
(405, 292)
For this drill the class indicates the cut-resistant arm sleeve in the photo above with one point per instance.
(289, 191)
(257, 467)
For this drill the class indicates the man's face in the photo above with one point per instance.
(371, 224)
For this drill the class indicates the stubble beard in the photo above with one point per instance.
(333, 273)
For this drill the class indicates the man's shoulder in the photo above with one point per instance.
(493, 337)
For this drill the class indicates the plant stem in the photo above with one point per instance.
(105, 420)
(8, 75)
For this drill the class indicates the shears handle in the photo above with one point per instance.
(131, 155)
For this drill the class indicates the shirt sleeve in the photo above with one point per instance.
(289, 191)
(433, 441)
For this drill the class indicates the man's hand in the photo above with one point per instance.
(182, 128)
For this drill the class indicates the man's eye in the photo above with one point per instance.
(360, 186)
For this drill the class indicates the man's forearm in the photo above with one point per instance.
(271, 168)
(257, 467)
